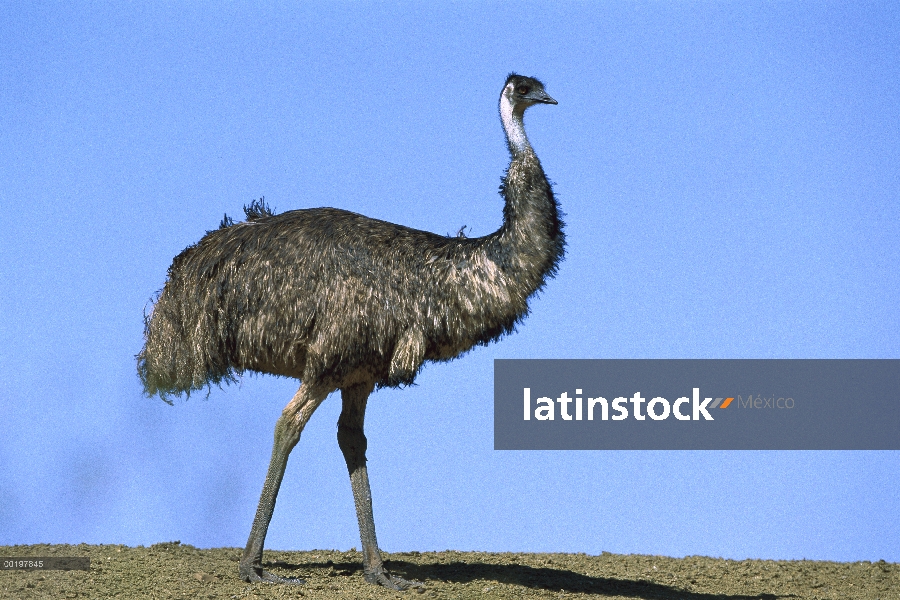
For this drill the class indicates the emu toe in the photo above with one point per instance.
(258, 575)
(392, 583)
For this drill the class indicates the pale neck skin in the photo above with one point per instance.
(511, 115)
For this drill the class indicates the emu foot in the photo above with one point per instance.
(384, 578)
(256, 574)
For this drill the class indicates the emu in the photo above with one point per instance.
(344, 302)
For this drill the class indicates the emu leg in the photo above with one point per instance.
(352, 441)
(287, 434)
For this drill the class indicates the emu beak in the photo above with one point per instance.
(541, 96)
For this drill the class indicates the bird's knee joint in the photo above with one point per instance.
(353, 443)
(287, 432)
(351, 437)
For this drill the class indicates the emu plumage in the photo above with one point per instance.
(341, 301)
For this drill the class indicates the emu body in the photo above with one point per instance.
(344, 302)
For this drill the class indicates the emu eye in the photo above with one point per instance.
(523, 89)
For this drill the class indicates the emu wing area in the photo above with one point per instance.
(309, 293)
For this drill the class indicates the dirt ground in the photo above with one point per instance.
(174, 570)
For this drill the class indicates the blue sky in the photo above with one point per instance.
(731, 183)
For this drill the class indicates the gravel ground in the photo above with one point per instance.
(174, 570)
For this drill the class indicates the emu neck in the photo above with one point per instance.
(514, 127)
(531, 240)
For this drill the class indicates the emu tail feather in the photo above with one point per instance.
(176, 361)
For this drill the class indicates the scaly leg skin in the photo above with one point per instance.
(352, 441)
(287, 434)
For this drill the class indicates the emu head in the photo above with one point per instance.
(520, 92)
